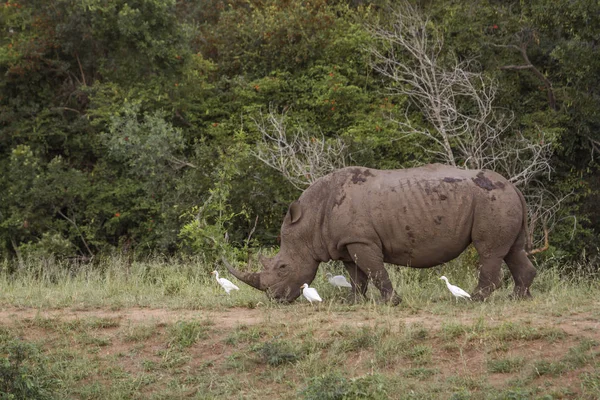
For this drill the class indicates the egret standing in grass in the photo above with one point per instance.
(455, 290)
(310, 293)
(338, 281)
(225, 283)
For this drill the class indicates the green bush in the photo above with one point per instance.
(23, 374)
(185, 333)
(276, 353)
(336, 387)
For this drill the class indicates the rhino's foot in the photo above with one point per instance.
(478, 296)
(393, 299)
(521, 294)
(354, 298)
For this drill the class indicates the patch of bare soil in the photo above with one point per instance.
(230, 318)
(464, 356)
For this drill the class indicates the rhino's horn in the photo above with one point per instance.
(250, 278)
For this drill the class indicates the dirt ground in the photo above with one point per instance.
(325, 324)
(580, 324)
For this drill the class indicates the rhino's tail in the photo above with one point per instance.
(525, 228)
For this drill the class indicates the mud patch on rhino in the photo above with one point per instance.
(452, 180)
(483, 181)
(438, 219)
(360, 176)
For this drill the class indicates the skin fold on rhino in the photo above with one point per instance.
(417, 217)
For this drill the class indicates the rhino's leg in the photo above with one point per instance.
(489, 277)
(522, 271)
(359, 280)
(493, 235)
(370, 260)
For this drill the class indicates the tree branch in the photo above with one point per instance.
(522, 49)
(463, 125)
(66, 109)
(517, 67)
(80, 69)
(181, 163)
(78, 231)
(300, 157)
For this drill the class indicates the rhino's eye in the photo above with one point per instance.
(283, 270)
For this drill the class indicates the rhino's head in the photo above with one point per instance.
(283, 274)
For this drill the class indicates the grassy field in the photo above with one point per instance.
(166, 330)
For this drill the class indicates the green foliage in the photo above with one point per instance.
(506, 365)
(545, 367)
(277, 352)
(128, 125)
(207, 227)
(591, 383)
(143, 147)
(337, 387)
(23, 374)
(185, 333)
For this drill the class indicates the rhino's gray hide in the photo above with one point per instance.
(418, 217)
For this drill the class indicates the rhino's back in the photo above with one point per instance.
(419, 216)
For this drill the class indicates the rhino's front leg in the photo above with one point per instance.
(358, 279)
(369, 259)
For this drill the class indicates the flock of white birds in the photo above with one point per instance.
(338, 281)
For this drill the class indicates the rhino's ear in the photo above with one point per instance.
(295, 212)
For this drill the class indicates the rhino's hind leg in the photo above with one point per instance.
(370, 261)
(522, 271)
(489, 277)
(359, 280)
(493, 235)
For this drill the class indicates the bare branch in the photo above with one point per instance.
(464, 127)
(301, 157)
(517, 67)
(80, 70)
(543, 207)
(72, 221)
(252, 231)
(524, 38)
(17, 252)
(595, 146)
(178, 163)
(66, 109)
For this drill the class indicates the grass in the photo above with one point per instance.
(506, 365)
(165, 329)
(186, 333)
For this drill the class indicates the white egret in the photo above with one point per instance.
(455, 290)
(310, 293)
(225, 283)
(338, 281)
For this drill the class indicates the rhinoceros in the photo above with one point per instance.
(417, 217)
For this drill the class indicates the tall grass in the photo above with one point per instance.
(187, 284)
